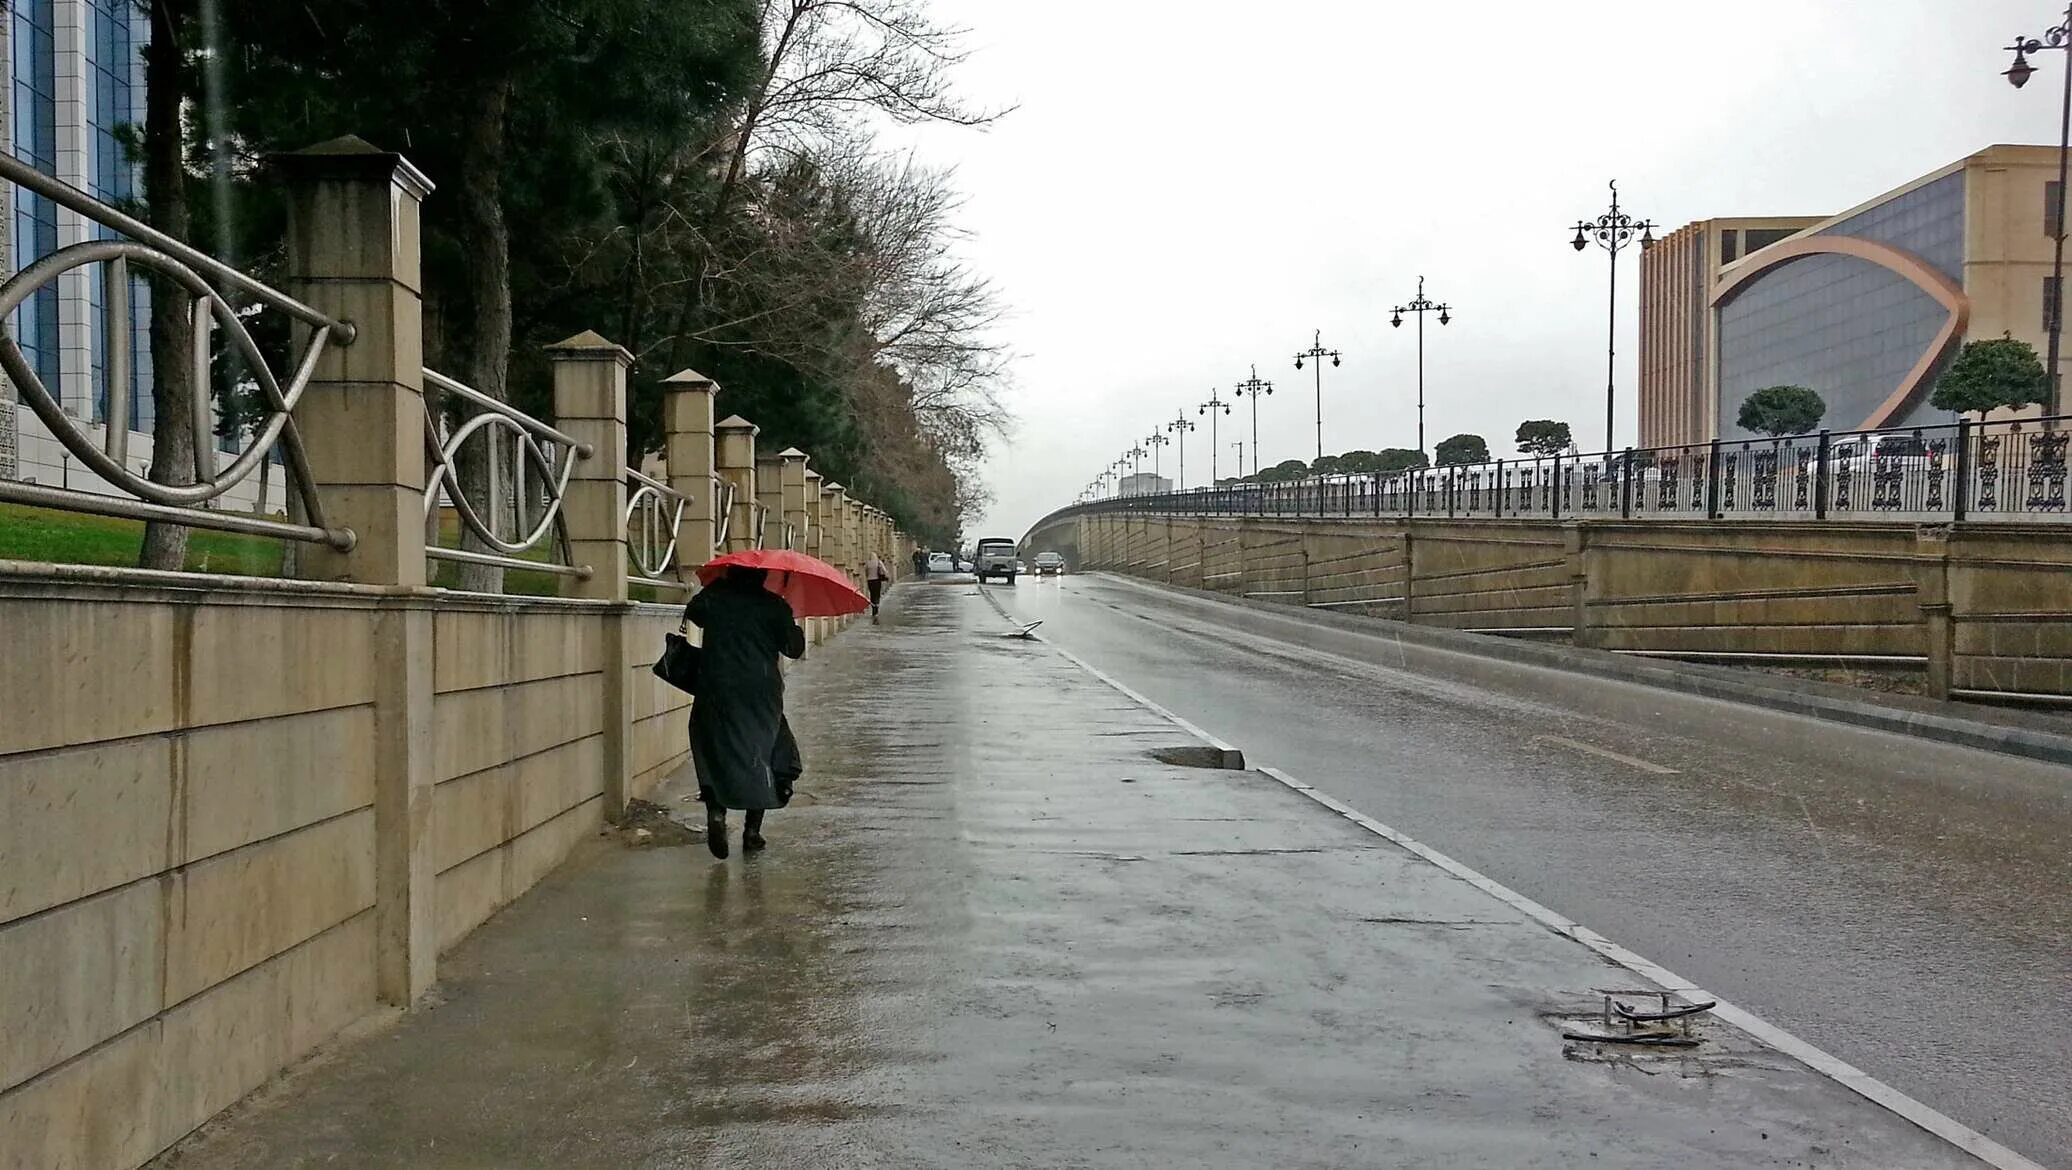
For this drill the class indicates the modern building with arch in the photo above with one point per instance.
(1866, 307)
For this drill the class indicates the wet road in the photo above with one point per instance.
(1903, 904)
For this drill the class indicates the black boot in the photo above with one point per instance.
(716, 829)
(752, 832)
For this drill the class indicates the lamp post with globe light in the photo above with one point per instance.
(1613, 231)
(1212, 408)
(1316, 353)
(1257, 387)
(1420, 305)
(2018, 74)
(1179, 428)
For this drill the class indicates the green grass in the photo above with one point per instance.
(76, 538)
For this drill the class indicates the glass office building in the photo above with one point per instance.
(75, 89)
(1865, 308)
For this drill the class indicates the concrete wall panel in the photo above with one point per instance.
(231, 912)
(76, 976)
(246, 782)
(487, 808)
(113, 665)
(475, 648)
(480, 729)
(82, 820)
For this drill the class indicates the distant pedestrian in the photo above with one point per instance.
(737, 724)
(875, 574)
(920, 562)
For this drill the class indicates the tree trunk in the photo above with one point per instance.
(172, 339)
(481, 344)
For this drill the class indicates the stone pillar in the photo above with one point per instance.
(769, 500)
(590, 405)
(1575, 548)
(1932, 588)
(735, 438)
(834, 525)
(792, 479)
(353, 254)
(858, 553)
(688, 451)
(814, 534)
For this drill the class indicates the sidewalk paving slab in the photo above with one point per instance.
(993, 931)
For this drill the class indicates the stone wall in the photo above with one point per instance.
(1984, 609)
(188, 864)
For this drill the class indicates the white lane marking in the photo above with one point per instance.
(1819, 1060)
(1606, 753)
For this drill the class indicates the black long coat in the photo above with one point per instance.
(740, 706)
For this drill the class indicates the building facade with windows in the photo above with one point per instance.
(74, 95)
(1677, 275)
(1866, 308)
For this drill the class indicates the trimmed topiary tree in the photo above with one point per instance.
(1777, 411)
(1990, 375)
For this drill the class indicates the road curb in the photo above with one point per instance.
(1928, 719)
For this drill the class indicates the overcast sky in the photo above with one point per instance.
(1192, 186)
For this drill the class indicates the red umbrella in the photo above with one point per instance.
(811, 586)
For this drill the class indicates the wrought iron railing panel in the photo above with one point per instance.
(215, 292)
(2008, 470)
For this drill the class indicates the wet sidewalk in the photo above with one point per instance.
(994, 931)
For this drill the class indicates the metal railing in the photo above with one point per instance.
(654, 519)
(2005, 471)
(205, 280)
(541, 461)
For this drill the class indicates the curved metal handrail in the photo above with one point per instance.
(65, 195)
(528, 433)
(648, 500)
(208, 312)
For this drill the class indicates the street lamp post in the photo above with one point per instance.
(1240, 445)
(1420, 305)
(1613, 230)
(1257, 387)
(1155, 441)
(2058, 37)
(1212, 408)
(1179, 427)
(1316, 353)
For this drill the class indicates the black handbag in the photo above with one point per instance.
(678, 665)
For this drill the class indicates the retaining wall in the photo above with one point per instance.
(1984, 609)
(193, 851)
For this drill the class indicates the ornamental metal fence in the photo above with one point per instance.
(2007, 471)
(511, 520)
(215, 293)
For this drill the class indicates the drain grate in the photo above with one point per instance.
(1647, 1018)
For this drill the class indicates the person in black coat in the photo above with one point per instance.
(737, 722)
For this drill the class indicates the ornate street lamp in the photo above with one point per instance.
(1257, 387)
(1613, 231)
(1212, 408)
(2018, 74)
(1316, 353)
(1155, 441)
(1420, 305)
(1179, 428)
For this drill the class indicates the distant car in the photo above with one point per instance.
(1019, 567)
(1050, 564)
(963, 566)
(995, 557)
(941, 563)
